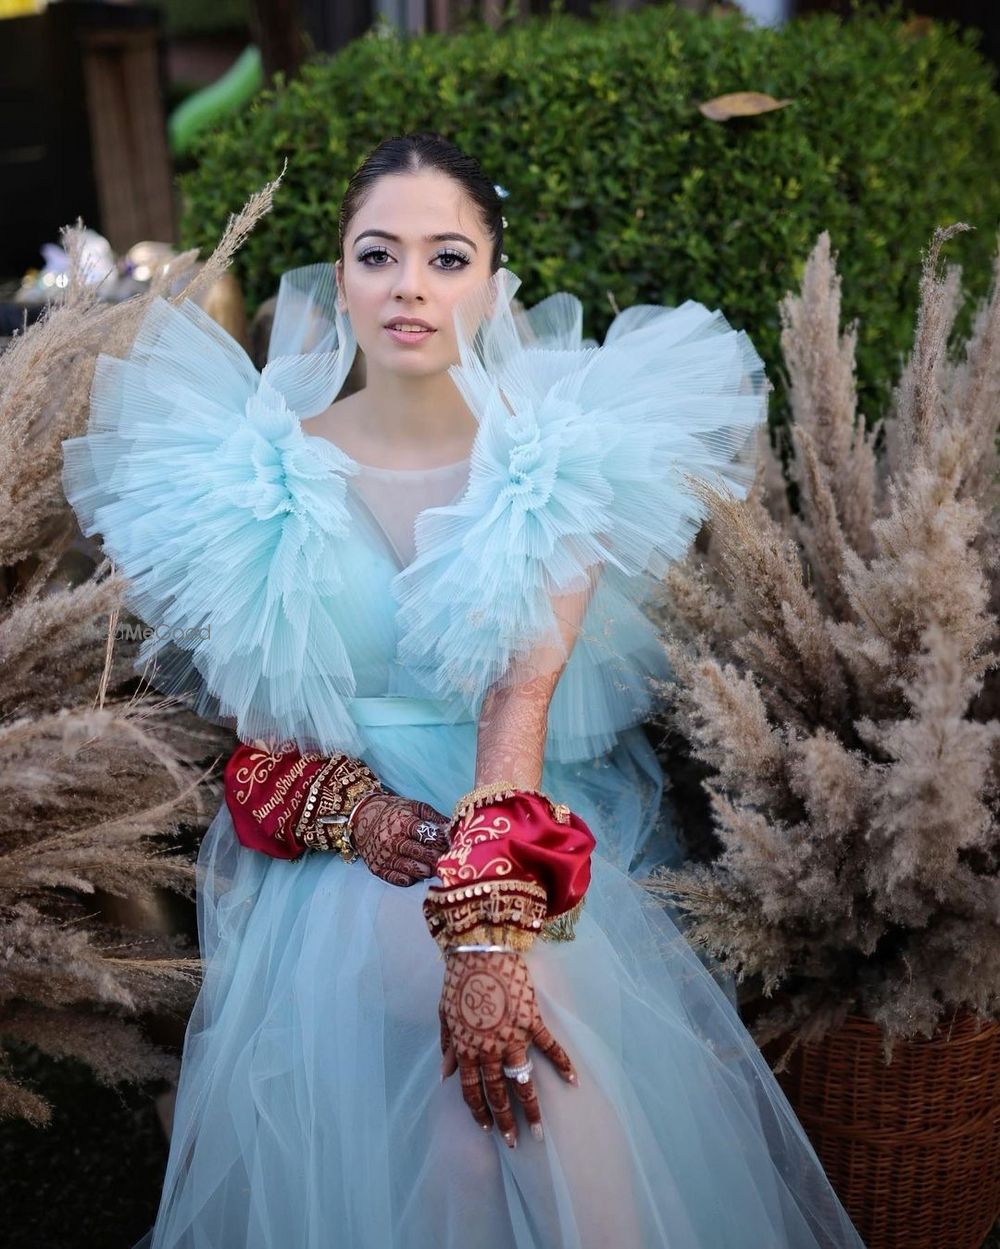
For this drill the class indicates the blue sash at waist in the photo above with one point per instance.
(385, 710)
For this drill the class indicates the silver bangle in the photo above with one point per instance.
(350, 815)
(479, 949)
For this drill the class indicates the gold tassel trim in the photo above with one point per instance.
(491, 934)
(563, 927)
(514, 908)
(464, 915)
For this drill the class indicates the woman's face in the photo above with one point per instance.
(393, 270)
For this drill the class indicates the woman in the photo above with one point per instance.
(421, 608)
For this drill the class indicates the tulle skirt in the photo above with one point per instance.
(310, 1113)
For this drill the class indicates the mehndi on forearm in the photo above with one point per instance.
(513, 724)
(513, 719)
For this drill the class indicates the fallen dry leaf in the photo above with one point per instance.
(740, 104)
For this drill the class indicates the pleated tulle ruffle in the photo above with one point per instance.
(582, 462)
(226, 519)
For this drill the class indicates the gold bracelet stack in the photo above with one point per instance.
(508, 912)
(337, 789)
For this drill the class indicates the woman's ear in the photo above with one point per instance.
(338, 270)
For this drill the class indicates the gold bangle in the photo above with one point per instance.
(336, 787)
(333, 830)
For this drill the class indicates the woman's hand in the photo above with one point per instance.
(398, 838)
(489, 1017)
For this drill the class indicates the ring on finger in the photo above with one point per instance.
(428, 832)
(521, 1073)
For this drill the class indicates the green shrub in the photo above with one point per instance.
(619, 184)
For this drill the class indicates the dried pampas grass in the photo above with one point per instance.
(98, 775)
(836, 679)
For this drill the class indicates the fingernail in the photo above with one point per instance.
(511, 1139)
(536, 1131)
(487, 1127)
(573, 1079)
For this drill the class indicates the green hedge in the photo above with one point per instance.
(618, 183)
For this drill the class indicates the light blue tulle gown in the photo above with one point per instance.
(310, 1113)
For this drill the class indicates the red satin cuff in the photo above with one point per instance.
(519, 837)
(265, 794)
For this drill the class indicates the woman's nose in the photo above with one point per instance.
(410, 278)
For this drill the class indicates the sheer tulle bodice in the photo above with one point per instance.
(395, 497)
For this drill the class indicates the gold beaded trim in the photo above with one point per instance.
(508, 912)
(312, 796)
(497, 790)
(350, 785)
(561, 928)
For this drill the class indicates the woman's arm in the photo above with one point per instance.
(277, 796)
(513, 720)
(516, 859)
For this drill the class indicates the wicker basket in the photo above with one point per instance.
(913, 1148)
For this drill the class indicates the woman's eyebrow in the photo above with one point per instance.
(428, 238)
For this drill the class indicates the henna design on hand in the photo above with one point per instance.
(489, 1016)
(384, 831)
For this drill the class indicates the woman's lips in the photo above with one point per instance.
(409, 337)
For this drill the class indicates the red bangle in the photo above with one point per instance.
(265, 791)
(522, 835)
(276, 797)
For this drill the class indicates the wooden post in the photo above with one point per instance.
(277, 30)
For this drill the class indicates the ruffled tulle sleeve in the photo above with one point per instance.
(581, 472)
(224, 516)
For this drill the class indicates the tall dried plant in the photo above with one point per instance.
(97, 773)
(836, 675)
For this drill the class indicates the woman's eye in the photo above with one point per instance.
(460, 260)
